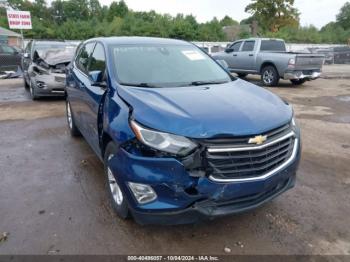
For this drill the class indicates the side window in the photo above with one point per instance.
(7, 49)
(248, 46)
(82, 59)
(236, 46)
(98, 59)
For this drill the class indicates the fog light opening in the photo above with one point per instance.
(142, 193)
(40, 84)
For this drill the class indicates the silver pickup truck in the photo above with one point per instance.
(269, 58)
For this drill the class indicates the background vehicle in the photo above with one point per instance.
(44, 67)
(342, 55)
(142, 105)
(328, 55)
(10, 58)
(269, 58)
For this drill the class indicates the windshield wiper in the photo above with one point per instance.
(139, 85)
(200, 83)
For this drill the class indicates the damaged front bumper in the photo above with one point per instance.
(183, 198)
(49, 85)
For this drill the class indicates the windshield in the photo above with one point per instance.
(165, 66)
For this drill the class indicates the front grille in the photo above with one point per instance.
(246, 160)
(243, 141)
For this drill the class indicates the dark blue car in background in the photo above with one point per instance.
(181, 139)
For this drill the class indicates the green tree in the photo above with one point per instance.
(95, 9)
(39, 9)
(274, 14)
(334, 33)
(343, 18)
(183, 27)
(211, 31)
(117, 9)
(227, 21)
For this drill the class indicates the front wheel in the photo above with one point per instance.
(26, 85)
(115, 193)
(269, 76)
(32, 91)
(298, 82)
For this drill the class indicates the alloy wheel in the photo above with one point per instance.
(31, 89)
(268, 76)
(113, 186)
(69, 116)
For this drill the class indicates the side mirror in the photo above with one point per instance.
(223, 63)
(229, 50)
(97, 78)
(25, 55)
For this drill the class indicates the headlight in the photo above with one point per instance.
(163, 141)
(40, 70)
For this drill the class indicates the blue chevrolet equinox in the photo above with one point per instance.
(180, 138)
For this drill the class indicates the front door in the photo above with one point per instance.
(93, 95)
(232, 57)
(77, 81)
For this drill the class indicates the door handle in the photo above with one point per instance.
(250, 54)
(234, 54)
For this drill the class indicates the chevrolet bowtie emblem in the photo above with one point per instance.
(257, 140)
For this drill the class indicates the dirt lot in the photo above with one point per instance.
(52, 199)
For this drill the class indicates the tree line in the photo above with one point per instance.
(82, 19)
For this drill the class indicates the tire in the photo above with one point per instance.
(26, 85)
(115, 193)
(74, 131)
(242, 75)
(269, 76)
(32, 91)
(298, 82)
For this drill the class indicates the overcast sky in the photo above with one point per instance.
(316, 12)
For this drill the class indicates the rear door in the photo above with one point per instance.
(9, 58)
(245, 57)
(2, 60)
(93, 95)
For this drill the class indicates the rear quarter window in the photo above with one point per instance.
(272, 45)
(7, 49)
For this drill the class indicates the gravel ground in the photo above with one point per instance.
(52, 199)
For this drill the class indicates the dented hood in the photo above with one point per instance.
(53, 57)
(231, 109)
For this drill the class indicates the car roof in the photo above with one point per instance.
(45, 42)
(260, 38)
(130, 40)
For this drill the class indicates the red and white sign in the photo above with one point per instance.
(19, 19)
